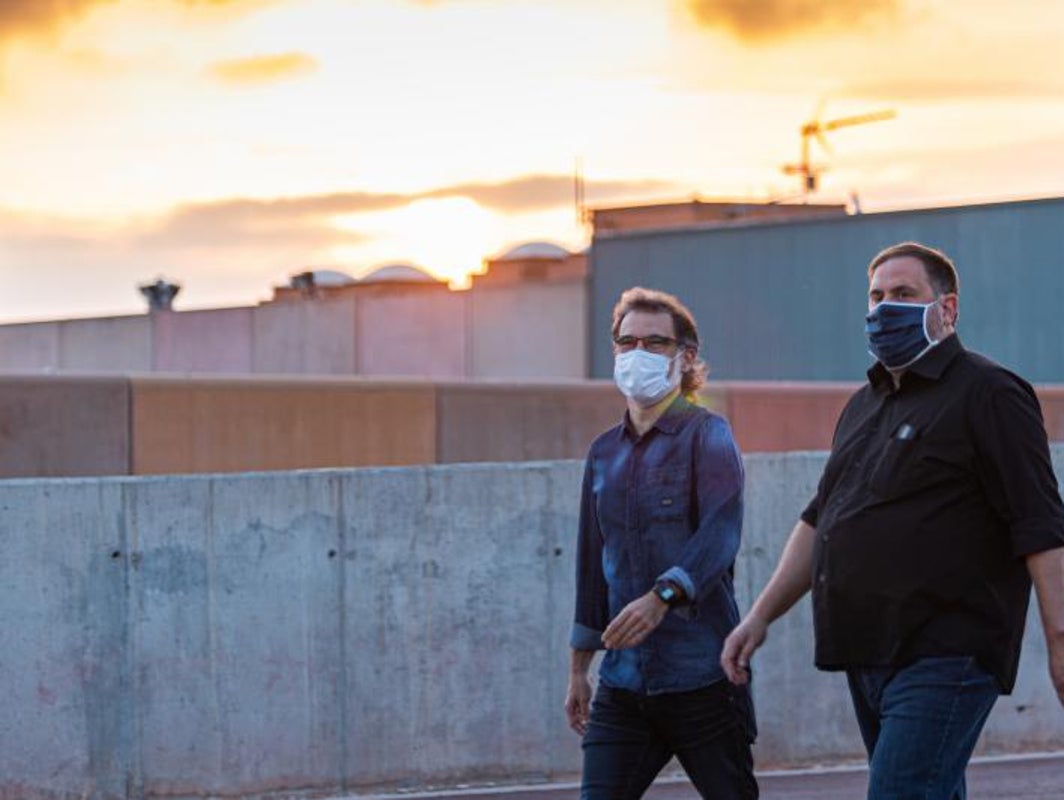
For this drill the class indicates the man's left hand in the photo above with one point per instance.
(635, 623)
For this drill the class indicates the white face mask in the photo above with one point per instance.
(645, 377)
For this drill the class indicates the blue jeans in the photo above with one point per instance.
(632, 736)
(920, 724)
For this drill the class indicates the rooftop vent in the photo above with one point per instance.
(160, 295)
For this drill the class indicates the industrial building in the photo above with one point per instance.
(785, 299)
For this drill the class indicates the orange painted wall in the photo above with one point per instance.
(54, 426)
(770, 417)
(523, 422)
(227, 425)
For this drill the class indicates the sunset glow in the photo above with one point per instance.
(230, 143)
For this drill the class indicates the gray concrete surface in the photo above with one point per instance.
(1036, 777)
(329, 631)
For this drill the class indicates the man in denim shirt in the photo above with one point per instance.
(660, 520)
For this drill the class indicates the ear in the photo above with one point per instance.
(687, 361)
(950, 309)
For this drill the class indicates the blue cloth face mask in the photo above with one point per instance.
(897, 333)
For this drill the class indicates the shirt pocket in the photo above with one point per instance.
(666, 495)
(892, 471)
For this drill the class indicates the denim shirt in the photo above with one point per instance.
(665, 505)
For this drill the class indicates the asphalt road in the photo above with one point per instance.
(1038, 777)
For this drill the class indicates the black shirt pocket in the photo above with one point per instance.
(892, 470)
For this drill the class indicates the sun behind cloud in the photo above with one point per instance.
(257, 70)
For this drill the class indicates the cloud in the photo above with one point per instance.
(262, 69)
(19, 17)
(932, 89)
(306, 216)
(539, 192)
(762, 21)
(42, 17)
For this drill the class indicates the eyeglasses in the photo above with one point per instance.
(652, 343)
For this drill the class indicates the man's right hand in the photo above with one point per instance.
(578, 703)
(740, 646)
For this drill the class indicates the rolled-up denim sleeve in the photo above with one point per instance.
(718, 476)
(592, 594)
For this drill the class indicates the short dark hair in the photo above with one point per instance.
(653, 301)
(941, 273)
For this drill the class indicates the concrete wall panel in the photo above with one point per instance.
(529, 330)
(305, 338)
(412, 331)
(804, 715)
(521, 422)
(33, 346)
(68, 725)
(456, 601)
(239, 609)
(215, 340)
(64, 426)
(233, 425)
(107, 344)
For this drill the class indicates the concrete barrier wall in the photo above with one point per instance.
(334, 630)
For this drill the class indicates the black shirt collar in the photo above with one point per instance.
(931, 366)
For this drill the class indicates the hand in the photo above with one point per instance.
(578, 703)
(635, 623)
(739, 647)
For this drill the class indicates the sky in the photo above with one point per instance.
(227, 144)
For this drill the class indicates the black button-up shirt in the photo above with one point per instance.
(933, 494)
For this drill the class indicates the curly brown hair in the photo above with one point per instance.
(683, 322)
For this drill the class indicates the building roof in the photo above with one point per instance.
(534, 250)
(323, 277)
(399, 273)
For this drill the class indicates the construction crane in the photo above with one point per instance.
(816, 129)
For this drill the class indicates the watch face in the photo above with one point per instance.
(667, 593)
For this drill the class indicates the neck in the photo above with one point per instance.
(644, 417)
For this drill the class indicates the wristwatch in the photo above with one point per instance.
(667, 593)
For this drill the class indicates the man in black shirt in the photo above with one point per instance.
(937, 508)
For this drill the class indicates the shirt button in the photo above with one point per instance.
(823, 537)
(822, 578)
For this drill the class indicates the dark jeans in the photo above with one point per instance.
(632, 736)
(920, 724)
